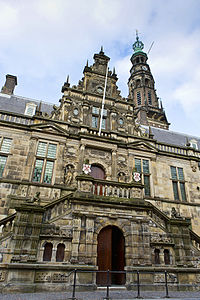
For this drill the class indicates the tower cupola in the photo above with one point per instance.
(142, 89)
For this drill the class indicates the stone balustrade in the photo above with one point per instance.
(107, 188)
(195, 239)
(6, 225)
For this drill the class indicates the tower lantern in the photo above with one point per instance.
(142, 89)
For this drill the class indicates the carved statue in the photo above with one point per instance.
(35, 198)
(175, 214)
(68, 176)
(121, 177)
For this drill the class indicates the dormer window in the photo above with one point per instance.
(193, 144)
(30, 109)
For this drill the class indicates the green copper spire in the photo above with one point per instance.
(138, 45)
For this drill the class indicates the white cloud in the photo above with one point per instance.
(44, 40)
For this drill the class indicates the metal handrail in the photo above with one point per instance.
(107, 297)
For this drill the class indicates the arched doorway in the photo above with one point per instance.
(110, 255)
(98, 173)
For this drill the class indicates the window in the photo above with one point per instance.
(44, 163)
(60, 253)
(47, 252)
(193, 144)
(30, 109)
(5, 144)
(157, 256)
(139, 102)
(178, 183)
(149, 98)
(166, 257)
(142, 167)
(95, 122)
(96, 115)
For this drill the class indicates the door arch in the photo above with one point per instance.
(97, 172)
(110, 255)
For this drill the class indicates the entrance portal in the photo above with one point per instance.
(110, 255)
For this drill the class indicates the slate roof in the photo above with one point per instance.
(173, 138)
(17, 104)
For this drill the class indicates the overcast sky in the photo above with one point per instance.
(42, 41)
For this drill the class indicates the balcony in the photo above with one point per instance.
(108, 188)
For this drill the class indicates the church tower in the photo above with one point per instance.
(142, 90)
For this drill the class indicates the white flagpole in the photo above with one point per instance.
(102, 108)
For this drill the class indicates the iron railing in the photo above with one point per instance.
(108, 284)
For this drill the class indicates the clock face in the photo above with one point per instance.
(121, 121)
(76, 111)
(144, 68)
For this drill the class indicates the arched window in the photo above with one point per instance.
(149, 98)
(47, 252)
(138, 83)
(166, 257)
(139, 102)
(147, 81)
(60, 252)
(157, 256)
(97, 172)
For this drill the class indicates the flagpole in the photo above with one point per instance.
(102, 108)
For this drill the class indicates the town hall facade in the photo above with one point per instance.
(123, 198)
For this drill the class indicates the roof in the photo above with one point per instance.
(17, 104)
(173, 138)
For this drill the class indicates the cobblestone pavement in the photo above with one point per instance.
(100, 295)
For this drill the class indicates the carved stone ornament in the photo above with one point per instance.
(193, 166)
(35, 198)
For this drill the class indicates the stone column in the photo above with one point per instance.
(27, 174)
(59, 166)
(81, 158)
(86, 119)
(76, 238)
(90, 259)
(114, 165)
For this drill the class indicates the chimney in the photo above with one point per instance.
(9, 86)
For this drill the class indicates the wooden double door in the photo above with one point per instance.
(110, 255)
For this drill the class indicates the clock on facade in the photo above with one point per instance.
(76, 111)
(121, 121)
(144, 68)
(99, 90)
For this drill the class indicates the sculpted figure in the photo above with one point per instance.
(68, 176)
(35, 198)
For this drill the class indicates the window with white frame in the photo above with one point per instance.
(96, 115)
(30, 109)
(5, 145)
(178, 183)
(44, 162)
(193, 144)
(142, 167)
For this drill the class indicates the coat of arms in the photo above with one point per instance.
(86, 168)
(136, 176)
